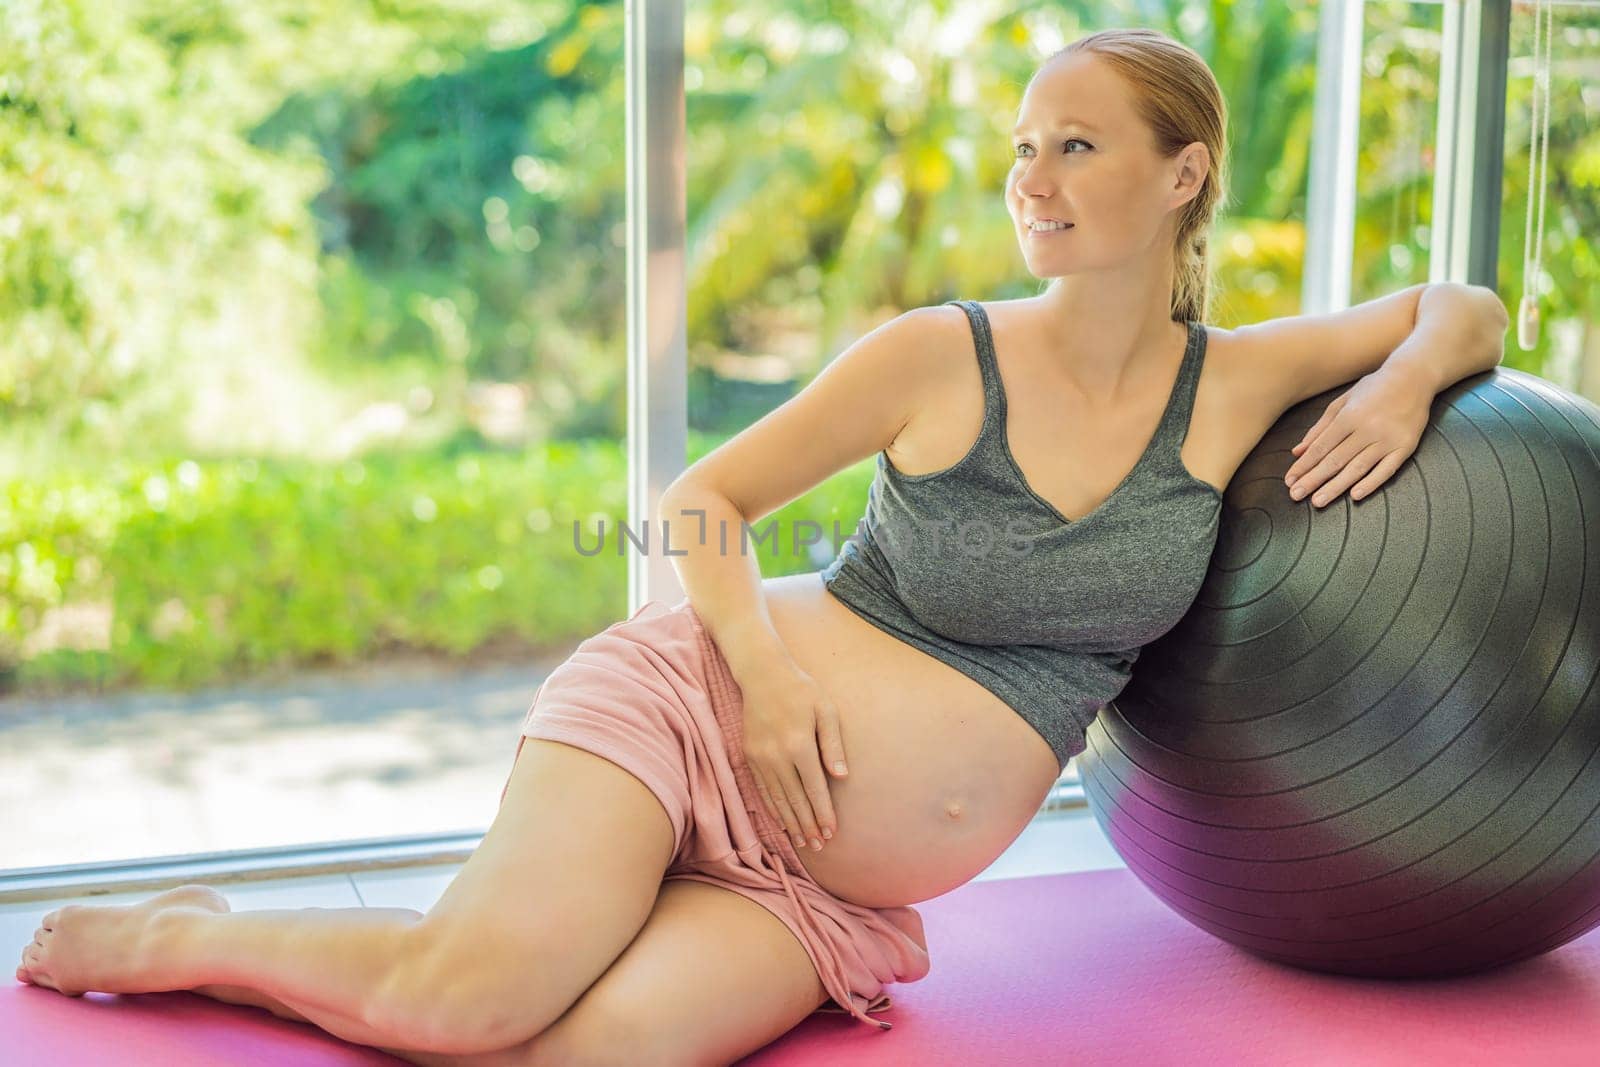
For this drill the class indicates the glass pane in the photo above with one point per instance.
(848, 163)
(1400, 68)
(1568, 348)
(314, 359)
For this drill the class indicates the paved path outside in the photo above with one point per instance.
(416, 750)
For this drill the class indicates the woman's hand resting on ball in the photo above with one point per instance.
(790, 728)
(1362, 438)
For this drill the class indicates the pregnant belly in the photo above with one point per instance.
(943, 774)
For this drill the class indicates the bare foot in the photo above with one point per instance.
(104, 948)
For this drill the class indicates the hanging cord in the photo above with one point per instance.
(1538, 148)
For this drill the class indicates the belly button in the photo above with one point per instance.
(953, 810)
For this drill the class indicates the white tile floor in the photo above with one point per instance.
(1054, 844)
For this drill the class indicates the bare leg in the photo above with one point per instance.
(204, 898)
(187, 938)
(355, 952)
(210, 900)
(238, 994)
(576, 834)
(520, 1056)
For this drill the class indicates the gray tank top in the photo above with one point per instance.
(972, 566)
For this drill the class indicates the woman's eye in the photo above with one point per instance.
(1064, 145)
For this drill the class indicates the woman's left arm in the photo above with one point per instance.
(1375, 425)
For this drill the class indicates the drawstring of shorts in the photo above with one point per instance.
(722, 694)
(837, 987)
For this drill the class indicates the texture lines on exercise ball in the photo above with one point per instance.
(1372, 746)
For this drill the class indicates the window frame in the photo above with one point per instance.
(1465, 248)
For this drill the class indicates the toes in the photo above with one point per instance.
(31, 973)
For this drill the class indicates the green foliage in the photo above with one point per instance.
(176, 179)
(209, 570)
(439, 183)
(467, 209)
(228, 227)
(117, 214)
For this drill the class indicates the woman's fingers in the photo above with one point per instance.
(800, 801)
(1380, 474)
(777, 803)
(819, 802)
(1354, 468)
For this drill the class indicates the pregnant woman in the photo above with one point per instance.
(678, 872)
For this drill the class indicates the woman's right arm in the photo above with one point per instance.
(856, 406)
(723, 585)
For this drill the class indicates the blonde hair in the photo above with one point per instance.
(1178, 97)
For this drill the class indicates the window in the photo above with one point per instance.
(1568, 348)
(314, 365)
(1400, 77)
(843, 170)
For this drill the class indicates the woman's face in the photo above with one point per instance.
(1084, 157)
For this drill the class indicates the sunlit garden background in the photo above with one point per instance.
(311, 323)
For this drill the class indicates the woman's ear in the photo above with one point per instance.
(1194, 163)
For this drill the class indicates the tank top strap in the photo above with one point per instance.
(1180, 405)
(1170, 433)
(994, 394)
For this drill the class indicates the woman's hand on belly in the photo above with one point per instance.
(791, 730)
(943, 774)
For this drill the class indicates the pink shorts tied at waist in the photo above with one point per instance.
(654, 695)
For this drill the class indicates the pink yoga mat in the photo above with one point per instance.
(1090, 968)
(1084, 968)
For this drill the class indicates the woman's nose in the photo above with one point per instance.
(1036, 197)
(1030, 183)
